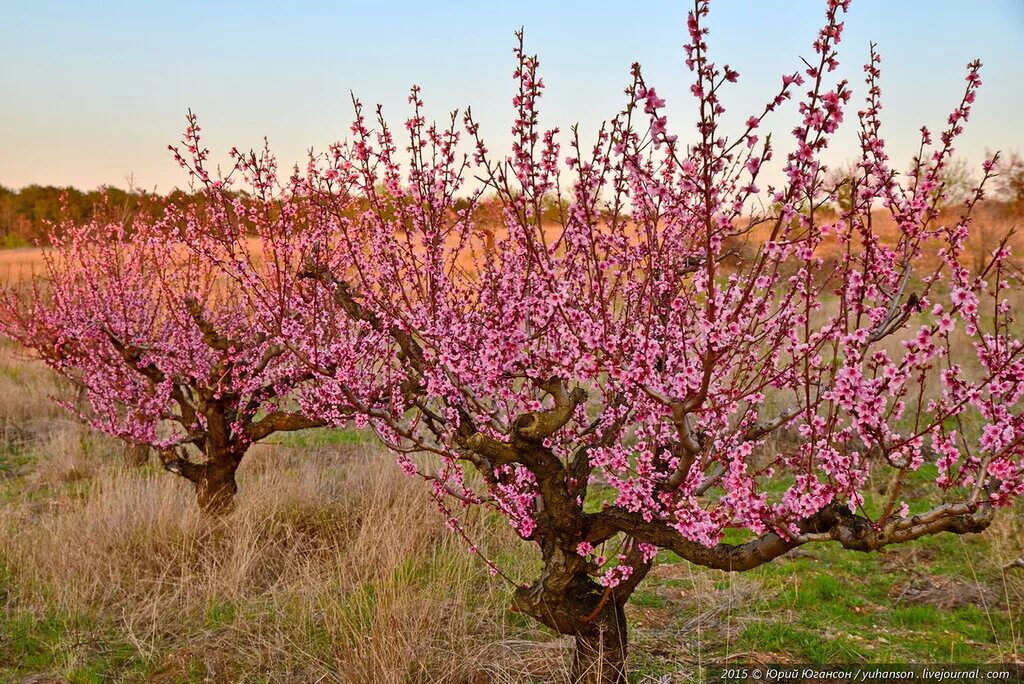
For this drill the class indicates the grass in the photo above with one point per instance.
(335, 567)
(824, 605)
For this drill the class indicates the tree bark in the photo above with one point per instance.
(601, 647)
(572, 603)
(216, 486)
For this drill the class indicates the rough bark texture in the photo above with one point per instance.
(569, 601)
(214, 479)
(216, 486)
(600, 654)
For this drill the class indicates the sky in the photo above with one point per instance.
(92, 93)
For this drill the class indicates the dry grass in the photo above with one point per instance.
(20, 263)
(333, 566)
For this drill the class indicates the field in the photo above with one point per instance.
(19, 264)
(338, 568)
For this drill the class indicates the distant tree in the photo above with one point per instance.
(996, 225)
(1010, 183)
(148, 321)
(29, 216)
(842, 182)
(958, 183)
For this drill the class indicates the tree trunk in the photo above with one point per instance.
(600, 653)
(216, 487)
(569, 601)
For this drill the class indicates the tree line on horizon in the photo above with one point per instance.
(27, 215)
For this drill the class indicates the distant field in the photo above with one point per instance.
(18, 263)
(989, 227)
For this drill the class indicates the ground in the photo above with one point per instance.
(335, 567)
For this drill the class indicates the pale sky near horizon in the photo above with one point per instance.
(94, 94)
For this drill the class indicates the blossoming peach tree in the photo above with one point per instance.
(688, 350)
(148, 321)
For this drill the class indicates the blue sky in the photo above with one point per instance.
(93, 94)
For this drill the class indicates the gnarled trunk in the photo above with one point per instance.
(223, 448)
(216, 486)
(601, 645)
(572, 603)
(566, 597)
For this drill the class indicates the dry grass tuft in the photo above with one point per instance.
(331, 567)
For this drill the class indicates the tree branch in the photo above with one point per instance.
(280, 421)
(175, 461)
(833, 523)
(213, 338)
(539, 425)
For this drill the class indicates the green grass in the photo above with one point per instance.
(12, 457)
(304, 439)
(821, 604)
(220, 614)
(77, 646)
(648, 599)
(828, 605)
